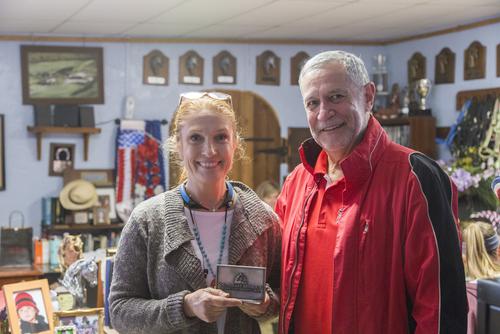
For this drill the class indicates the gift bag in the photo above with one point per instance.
(16, 243)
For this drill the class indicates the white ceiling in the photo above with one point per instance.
(350, 20)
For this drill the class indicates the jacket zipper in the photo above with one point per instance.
(296, 259)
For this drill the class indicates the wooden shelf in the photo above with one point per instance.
(39, 131)
(82, 228)
(400, 120)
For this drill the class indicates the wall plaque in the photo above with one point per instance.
(474, 61)
(268, 69)
(445, 67)
(224, 68)
(191, 68)
(155, 68)
(416, 67)
(296, 64)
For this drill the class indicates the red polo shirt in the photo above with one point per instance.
(313, 309)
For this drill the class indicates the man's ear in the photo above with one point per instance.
(369, 90)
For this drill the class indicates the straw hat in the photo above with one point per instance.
(78, 195)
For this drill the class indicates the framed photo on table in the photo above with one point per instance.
(84, 320)
(29, 307)
(62, 75)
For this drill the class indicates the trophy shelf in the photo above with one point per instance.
(39, 131)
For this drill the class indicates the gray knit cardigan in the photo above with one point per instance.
(156, 265)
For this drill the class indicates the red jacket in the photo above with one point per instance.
(397, 261)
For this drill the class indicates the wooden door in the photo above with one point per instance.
(260, 128)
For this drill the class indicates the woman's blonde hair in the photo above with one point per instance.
(69, 241)
(188, 106)
(479, 262)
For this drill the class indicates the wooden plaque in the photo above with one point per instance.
(498, 60)
(155, 68)
(296, 64)
(416, 67)
(445, 67)
(191, 68)
(268, 69)
(224, 68)
(474, 61)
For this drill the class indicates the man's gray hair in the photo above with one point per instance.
(354, 66)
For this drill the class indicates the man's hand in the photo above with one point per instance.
(208, 304)
(256, 310)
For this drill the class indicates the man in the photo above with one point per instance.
(370, 234)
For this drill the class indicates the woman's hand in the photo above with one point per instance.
(256, 310)
(208, 304)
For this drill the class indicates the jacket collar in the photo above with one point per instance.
(359, 164)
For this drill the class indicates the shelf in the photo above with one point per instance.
(400, 120)
(82, 228)
(39, 131)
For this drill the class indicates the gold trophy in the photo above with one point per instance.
(423, 88)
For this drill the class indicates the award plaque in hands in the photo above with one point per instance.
(242, 282)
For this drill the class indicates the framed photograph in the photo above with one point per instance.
(98, 177)
(62, 75)
(84, 320)
(101, 215)
(62, 157)
(29, 307)
(65, 330)
(107, 200)
(2, 153)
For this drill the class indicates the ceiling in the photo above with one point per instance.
(330, 20)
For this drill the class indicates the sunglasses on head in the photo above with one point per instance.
(212, 95)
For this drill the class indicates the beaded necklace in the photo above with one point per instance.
(222, 245)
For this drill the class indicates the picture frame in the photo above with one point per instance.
(107, 199)
(100, 215)
(98, 177)
(62, 75)
(62, 157)
(84, 320)
(2, 152)
(27, 300)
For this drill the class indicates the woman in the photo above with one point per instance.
(480, 245)
(165, 266)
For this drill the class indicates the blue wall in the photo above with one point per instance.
(28, 180)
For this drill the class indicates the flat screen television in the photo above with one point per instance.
(488, 306)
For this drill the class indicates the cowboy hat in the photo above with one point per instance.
(78, 195)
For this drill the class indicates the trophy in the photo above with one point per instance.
(380, 73)
(423, 88)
